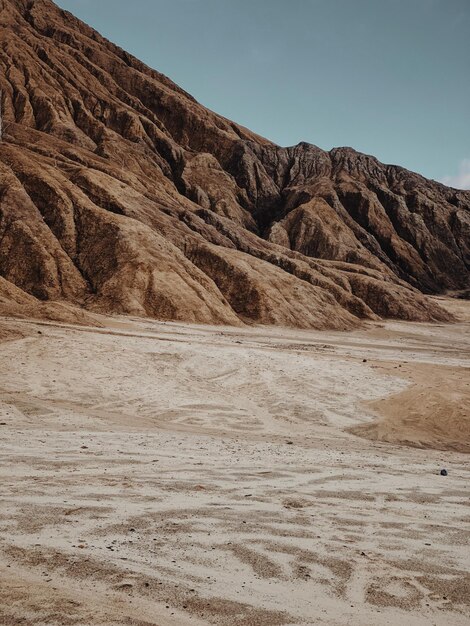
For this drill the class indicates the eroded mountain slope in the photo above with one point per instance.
(120, 193)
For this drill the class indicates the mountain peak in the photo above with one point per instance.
(120, 193)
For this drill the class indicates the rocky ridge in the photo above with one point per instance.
(119, 193)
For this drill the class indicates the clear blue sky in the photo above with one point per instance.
(387, 77)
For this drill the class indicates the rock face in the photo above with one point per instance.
(120, 193)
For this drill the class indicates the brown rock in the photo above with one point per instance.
(119, 193)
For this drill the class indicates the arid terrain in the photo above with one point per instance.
(158, 473)
(120, 193)
(230, 371)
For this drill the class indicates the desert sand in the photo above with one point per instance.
(166, 473)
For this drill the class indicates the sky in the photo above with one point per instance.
(388, 77)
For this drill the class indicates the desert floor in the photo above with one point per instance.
(161, 473)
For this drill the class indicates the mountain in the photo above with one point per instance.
(120, 193)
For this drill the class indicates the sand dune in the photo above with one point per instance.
(183, 474)
(433, 413)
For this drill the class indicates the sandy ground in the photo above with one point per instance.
(157, 473)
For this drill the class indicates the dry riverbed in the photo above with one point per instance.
(160, 473)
